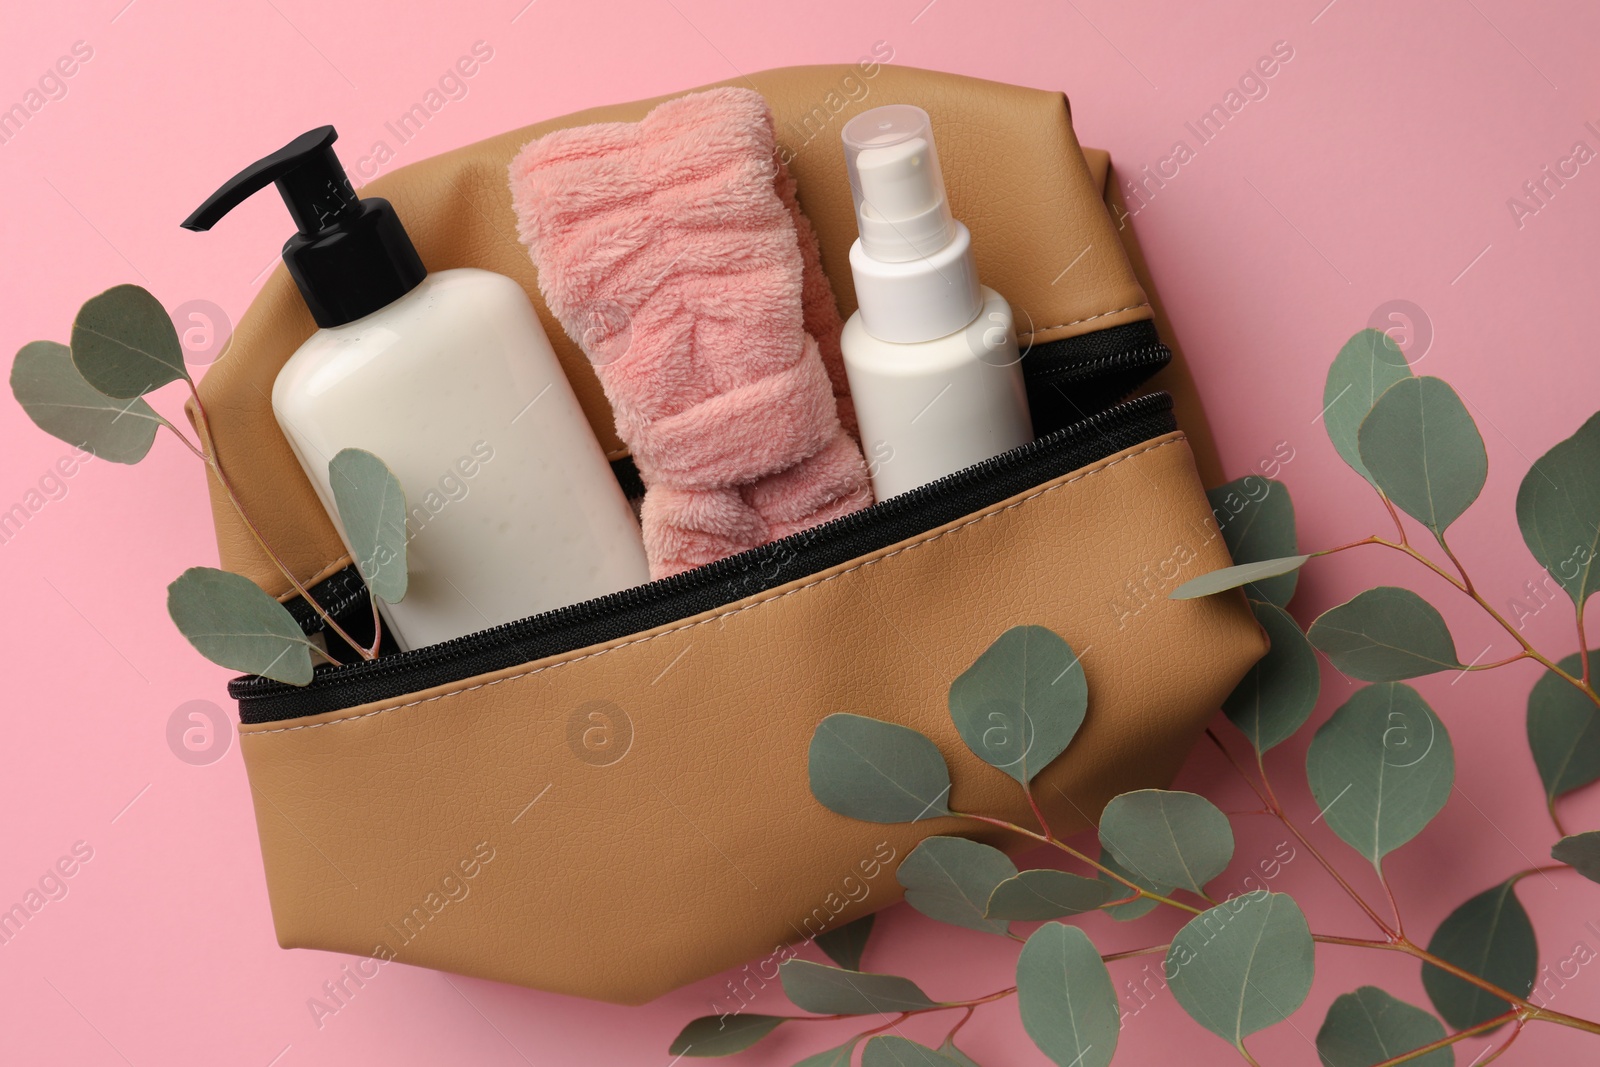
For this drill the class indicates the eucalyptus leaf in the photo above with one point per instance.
(877, 771)
(372, 509)
(825, 990)
(1381, 768)
(231, 621)
(1277, 697)
(949, 1051)
(845, 944)
(1021, 702)
(1243, 965)
(1168, 837)
(1423, 450)
(62, 404)
(1385, 635)
(1031, 896)
(718, 1035)
(950, 879)
(1581, 852)
(1365, 368)
(1564, 729)
(1369, 1027)
(1489, 936)
(1066, 999)
(124, 343)
(1133, 909)
(1558, 509)
(1235, 576)
(833, 1057)
(891, 1050)
(1256, 517)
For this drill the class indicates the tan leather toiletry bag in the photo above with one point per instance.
(611, 800)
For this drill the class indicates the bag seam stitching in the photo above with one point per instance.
(1178, 438)
(1091, 318)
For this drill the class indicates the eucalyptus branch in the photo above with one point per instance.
(223, 480)
(1464, 585)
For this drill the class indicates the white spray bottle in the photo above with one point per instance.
(931, 355)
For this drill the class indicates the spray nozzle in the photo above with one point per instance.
(351, 256)
(901, 208)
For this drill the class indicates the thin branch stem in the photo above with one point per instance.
(1555, 818)
(1450, 1039)
(227, 486)
(1394, 904)
(1399, 527)
(180, 435)
(1044, 827)
(1069, 850)
(950, 1038)
(1516, 1032)
(1251, 1060)
(1131, 953)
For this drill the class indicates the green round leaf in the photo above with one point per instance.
(1133, 909)
(231, 621)
(950, 879)
(1365, 368)
(372, 510)
(890, 1050)
(1385, 635)
(1564, 729)
(1233, 577)
(845, 944)
(1019, 705)
(833, 1057)
(716, 1035)
(124, 343)
(1581, 852)
(825, 990)
(1381, 768)
(1066, 999)
(1369, 1026)
(1256, 517)
(1558, 509)
(1489, 936)
(1423, 450)
(1049, 894)
(1243, 965)
(1168, 837)
(877, 771)
(1276, 698)
(62, 404)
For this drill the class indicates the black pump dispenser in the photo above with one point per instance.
(351, 256)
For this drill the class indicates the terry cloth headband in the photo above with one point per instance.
(674, 252)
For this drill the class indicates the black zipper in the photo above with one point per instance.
(1076, 377)
(668, 600)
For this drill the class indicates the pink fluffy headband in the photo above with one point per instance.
(673, 250)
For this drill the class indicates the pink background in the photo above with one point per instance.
(1377, 168)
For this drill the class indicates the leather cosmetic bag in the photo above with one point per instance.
(611, 799)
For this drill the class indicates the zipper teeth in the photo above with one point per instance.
(253, 689)
(1146, 354)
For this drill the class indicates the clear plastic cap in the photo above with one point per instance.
(901, 209)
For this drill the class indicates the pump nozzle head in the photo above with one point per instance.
(350, 256)
(901, 208)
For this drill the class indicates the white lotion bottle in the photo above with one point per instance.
(931, 354)
(512, 507)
